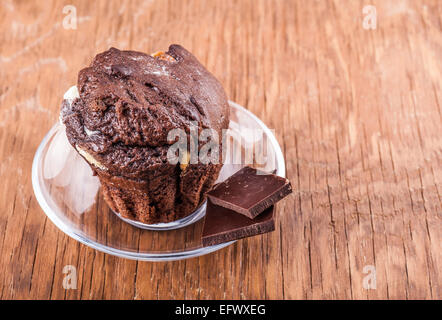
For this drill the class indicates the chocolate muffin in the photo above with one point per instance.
(119, 123)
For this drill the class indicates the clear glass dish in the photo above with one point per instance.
(69, 195)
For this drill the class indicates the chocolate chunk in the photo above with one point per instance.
(223, 225)
(121, 70)
(250, 191)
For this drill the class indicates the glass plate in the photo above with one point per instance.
(69, 194)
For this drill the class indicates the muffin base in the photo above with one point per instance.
(163, 199)
(198, 214)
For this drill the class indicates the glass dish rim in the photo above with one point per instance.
(141, 256)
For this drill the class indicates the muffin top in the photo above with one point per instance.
(129, 101)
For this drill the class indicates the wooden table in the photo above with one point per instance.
(357, 109)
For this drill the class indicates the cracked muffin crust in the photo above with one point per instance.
(128, 102)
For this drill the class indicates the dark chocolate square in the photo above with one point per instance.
(250, 191)
(223, 225)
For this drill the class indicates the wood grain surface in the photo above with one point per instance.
(357, 112)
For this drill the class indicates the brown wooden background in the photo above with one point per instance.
(357, 112)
